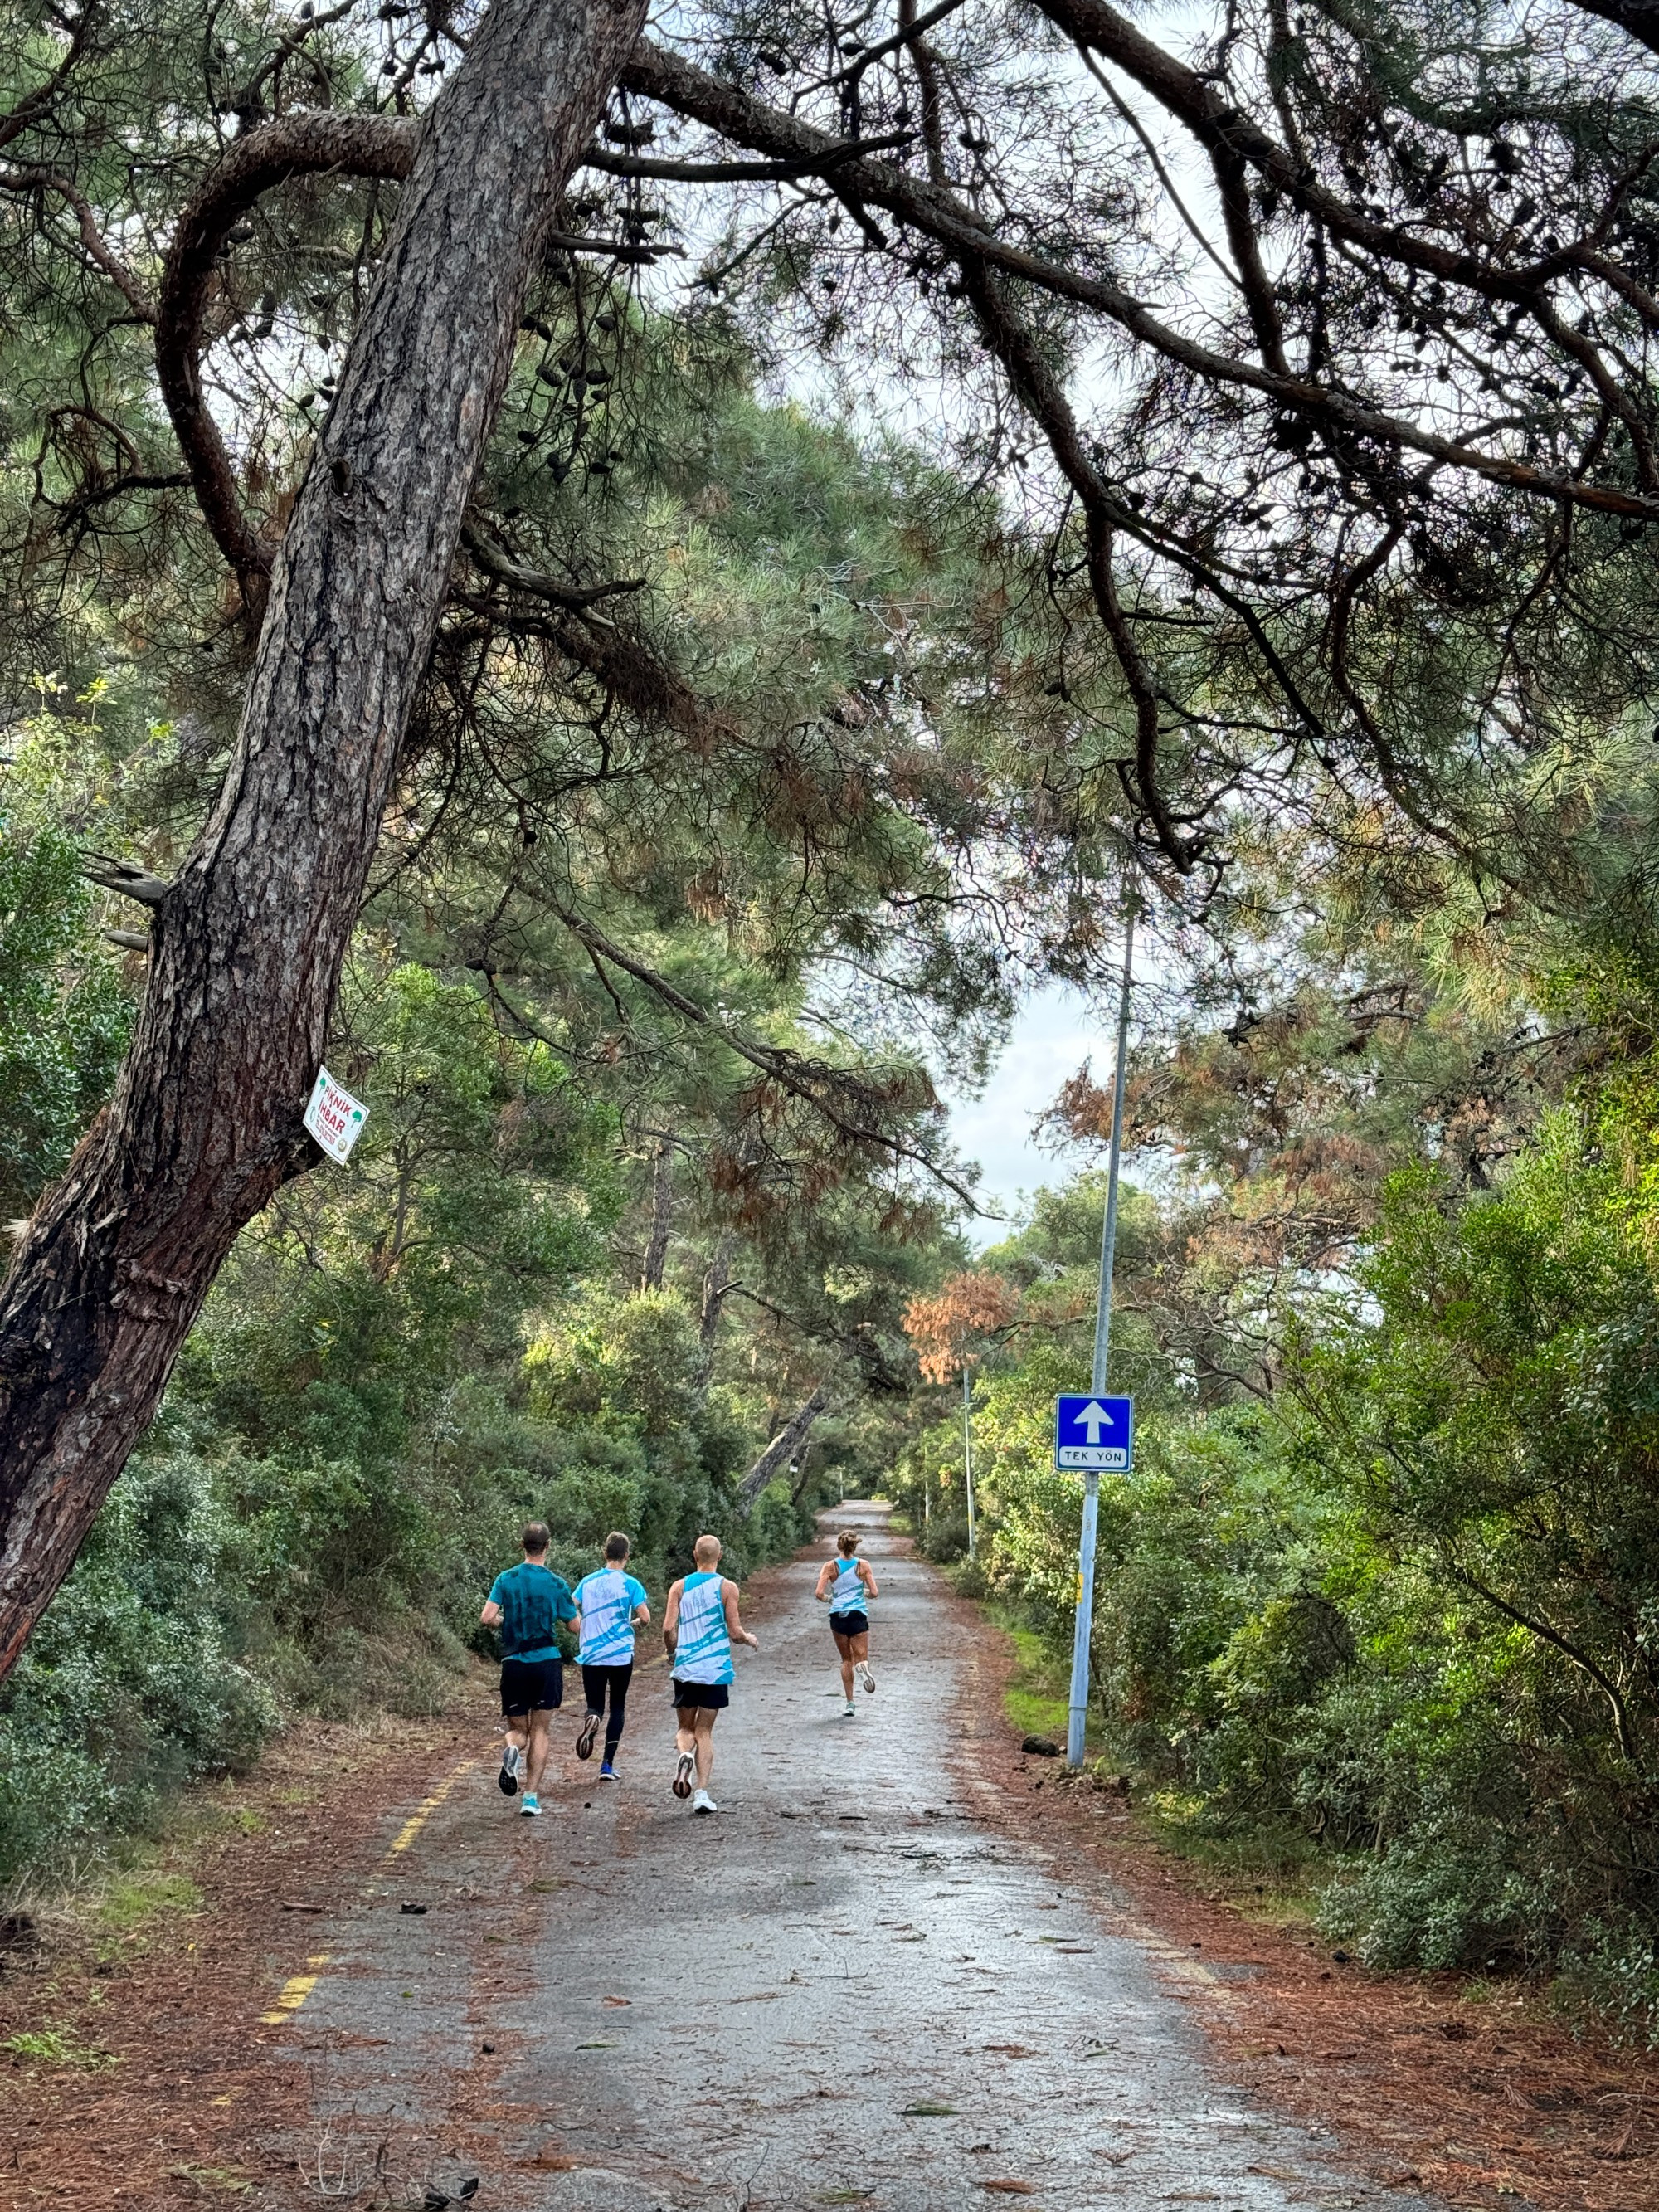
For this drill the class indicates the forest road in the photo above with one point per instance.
(845, 1988)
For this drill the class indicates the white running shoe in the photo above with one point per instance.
(507, 1779)
(849, 1711)
(703, 1802)
(866, 1677)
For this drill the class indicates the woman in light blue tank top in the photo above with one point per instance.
(847, 1584)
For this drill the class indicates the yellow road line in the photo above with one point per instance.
(294, 1993)
(423, 1812)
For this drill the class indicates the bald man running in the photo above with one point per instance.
(699, 1629)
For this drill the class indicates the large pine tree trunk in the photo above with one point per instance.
(249, 941)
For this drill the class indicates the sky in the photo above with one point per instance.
(1056, 1032)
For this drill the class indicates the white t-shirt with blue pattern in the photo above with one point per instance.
(607, 1601)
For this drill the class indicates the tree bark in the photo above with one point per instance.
(248, 942)
(787, 1441)
(716, 1281)
(357, 146)
(662, 1215)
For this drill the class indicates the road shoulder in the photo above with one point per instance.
(144, 2069)
(1482, 2103)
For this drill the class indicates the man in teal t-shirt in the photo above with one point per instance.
(526, 1603)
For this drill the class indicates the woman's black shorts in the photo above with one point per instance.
(850, 1624)
(716, 1696)
(532, 1686)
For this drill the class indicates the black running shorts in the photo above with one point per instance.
(532, 1686)
(850, 1624)
(715, 1696)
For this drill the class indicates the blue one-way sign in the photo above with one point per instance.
(1094, 1432)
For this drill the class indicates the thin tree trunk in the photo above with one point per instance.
(662, 1211)
(249, 941)
(717, 1280)
(782, 1448)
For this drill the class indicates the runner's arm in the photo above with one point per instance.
(670, 1620)
(491, 1615)
(826, 1575)
(734, 1627)
(867, 1575)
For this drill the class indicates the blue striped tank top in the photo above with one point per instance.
(847, 1592)
(702, 1650)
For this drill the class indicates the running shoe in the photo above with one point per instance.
(866, 1677)
(531, 1808)
(703, 1802)
(507, 1780)
(849, 1711)
(590, 1729)
(608, 1772)
(683, 1771)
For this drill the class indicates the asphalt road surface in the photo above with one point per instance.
(845, 1988)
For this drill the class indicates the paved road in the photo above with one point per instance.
(847, 1987)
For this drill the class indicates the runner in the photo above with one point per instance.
(845, 1585)
(612, 1606)
(525, 1603)
(699, 1629)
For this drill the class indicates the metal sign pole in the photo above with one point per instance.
(968, 1455)
(1076, 1716)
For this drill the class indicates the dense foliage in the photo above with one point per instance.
(625, 1205)
(1275, 532)
(1380, 1598)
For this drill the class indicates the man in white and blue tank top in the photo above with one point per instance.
(611, 1604)
(846, 1585)
(699, 1629)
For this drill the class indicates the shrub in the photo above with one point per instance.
(133, 1682)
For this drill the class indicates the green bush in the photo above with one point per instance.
(1399, 1624)
(135, 1681)
(1613, 1971)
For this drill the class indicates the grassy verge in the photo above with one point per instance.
(1265, 1874)
(1035, 1699)
(57, 2046)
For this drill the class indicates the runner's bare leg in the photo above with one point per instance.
(705, 1718)
(540, 1741)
